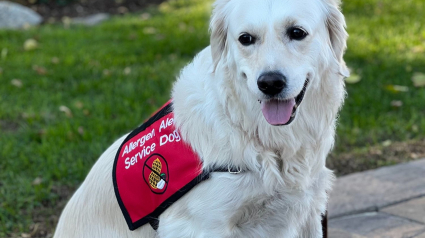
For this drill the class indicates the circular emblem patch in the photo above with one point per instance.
(155, 173)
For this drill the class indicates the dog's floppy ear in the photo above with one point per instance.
(218, 29)
(338, 35)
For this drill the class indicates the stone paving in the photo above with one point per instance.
(388, 202)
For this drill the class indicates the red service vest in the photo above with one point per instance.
(153, 168)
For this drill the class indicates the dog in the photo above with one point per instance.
(262, 98)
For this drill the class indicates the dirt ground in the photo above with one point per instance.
(46, 217)
(373, 157)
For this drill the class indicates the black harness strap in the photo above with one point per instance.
(154, 223)
(236, 170)
(233, 170)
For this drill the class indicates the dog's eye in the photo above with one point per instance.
(296, 33)
(246, 39)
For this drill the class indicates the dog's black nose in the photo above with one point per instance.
(271, 83)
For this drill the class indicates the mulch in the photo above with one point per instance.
(376, 156)
(57, 9)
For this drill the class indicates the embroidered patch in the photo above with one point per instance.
(153, 168)
(155, 173)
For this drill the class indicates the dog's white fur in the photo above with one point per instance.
(283, 189)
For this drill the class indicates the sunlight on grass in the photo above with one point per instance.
(70, 95)
(386, 46)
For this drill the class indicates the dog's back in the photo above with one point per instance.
(93, 211)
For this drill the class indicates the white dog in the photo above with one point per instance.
(263, 98)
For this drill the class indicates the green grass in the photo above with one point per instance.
(386, 46)
(112, 76)
(106, 99)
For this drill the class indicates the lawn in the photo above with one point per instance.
(63, 102)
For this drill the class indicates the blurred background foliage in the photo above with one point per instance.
(77, 8)
(68, 91)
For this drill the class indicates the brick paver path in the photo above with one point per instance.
(388, 202)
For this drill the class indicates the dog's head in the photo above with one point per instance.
(277, 46)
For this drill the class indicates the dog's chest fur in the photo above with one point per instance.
(284, 180)
(230, 205)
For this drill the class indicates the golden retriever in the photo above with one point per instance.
(263, 98)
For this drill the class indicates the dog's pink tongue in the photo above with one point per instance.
(277, 112)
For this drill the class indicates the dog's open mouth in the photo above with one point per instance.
(280, 112)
